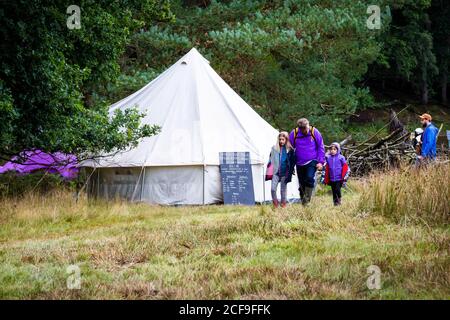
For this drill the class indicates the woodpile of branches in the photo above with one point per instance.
(381, 154)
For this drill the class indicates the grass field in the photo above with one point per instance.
(138, 251)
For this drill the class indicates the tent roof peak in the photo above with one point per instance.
(191, 55)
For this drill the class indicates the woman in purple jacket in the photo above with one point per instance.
(310, 154)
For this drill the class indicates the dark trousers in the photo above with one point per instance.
(336, 189)
(306, 176)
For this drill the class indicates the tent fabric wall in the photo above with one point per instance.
(116, 183)
(190, 185)
(173, 185)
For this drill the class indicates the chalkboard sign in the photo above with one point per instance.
(237, 179)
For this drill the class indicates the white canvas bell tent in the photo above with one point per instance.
(199, 116)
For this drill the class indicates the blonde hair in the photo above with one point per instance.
(288, 143)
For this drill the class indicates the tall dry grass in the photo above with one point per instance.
(56, 205)
(139, 251)
(420, 194)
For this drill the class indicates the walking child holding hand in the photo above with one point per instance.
(336, 171)
(282, 158)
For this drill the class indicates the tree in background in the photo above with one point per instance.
(49, 74)
(416, 49)
(440, 29)
(288, 59)
(408, 47)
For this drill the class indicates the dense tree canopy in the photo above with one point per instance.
(287, 58)
(409, 46)
(49, 72)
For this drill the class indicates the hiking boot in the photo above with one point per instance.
(283, 204)
(308, 195)
(302, 194)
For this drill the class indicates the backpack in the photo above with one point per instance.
(313, 135)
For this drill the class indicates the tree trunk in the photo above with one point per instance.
(444, 72)
(424, 92)
(444, 88)
(424, 83)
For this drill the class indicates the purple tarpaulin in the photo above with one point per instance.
(57, 163)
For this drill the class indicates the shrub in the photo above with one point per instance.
(17, 185)
(411, 194)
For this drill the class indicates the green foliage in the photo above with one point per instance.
(49, 74)
(288, 59)
(87, 132)
(16, 185)
(295, 58)
(440, 29)
(300, 58)
(127, 84)
(308, 57)
(146, 48)
(7, 115)
(409, 50)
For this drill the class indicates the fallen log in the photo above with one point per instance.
(378, 143)
(385, 153)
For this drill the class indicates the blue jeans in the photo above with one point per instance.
(306, 176)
